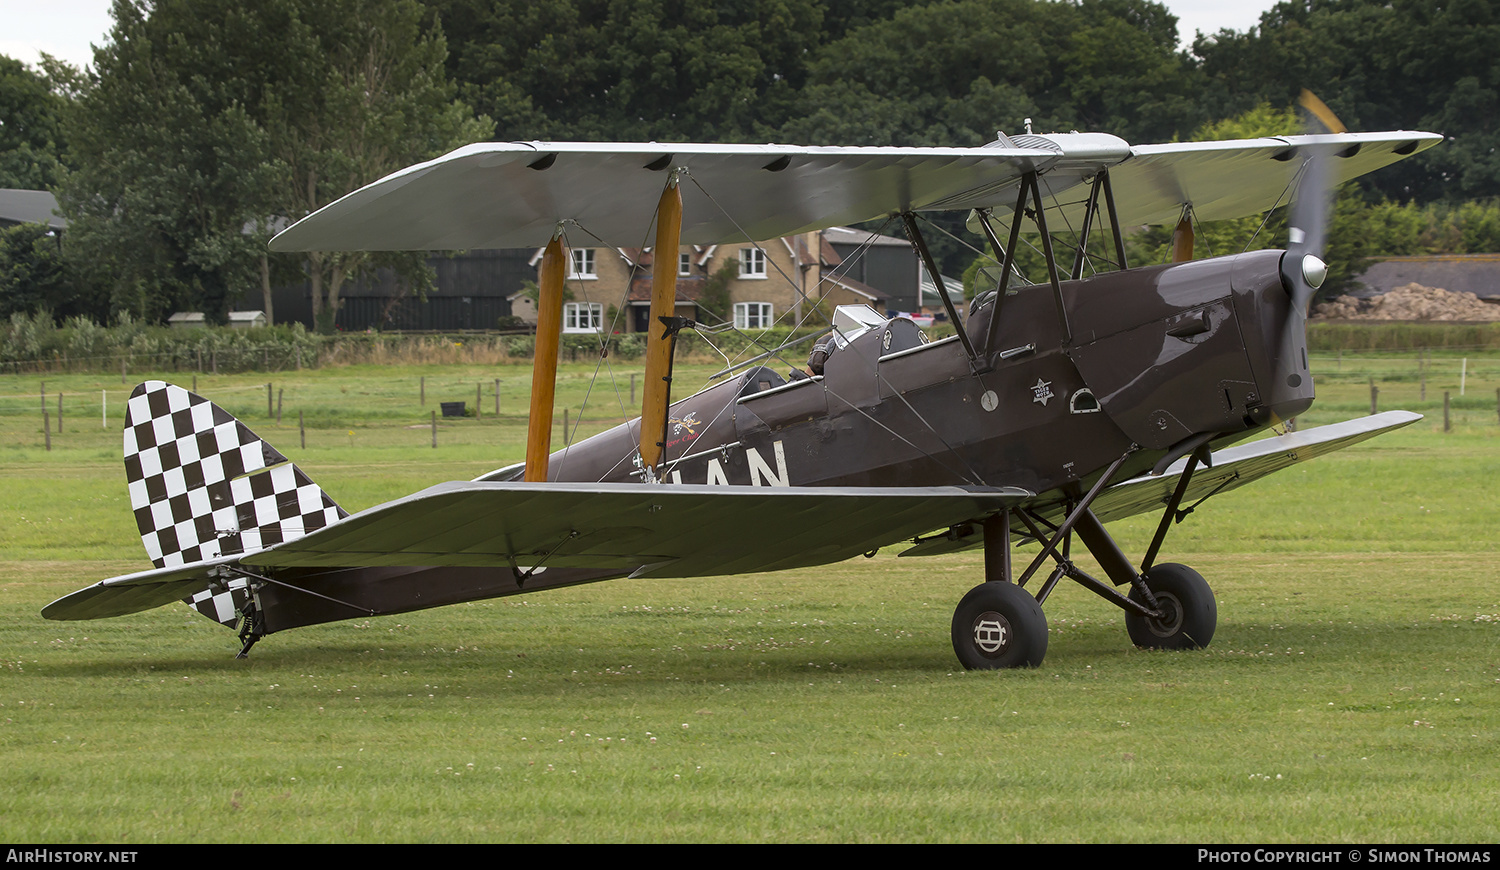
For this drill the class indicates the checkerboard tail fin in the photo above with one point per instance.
(204, 486)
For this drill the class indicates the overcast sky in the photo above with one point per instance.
(66, 28)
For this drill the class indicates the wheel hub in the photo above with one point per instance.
(992, 633)
(1171, 615)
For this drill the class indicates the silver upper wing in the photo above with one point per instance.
(514, 194)
(1233, 179)
(509, 195)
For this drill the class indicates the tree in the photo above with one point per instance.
(360, 92)
(1380, 65)
(172, 166)
(203, 127)
(31, 270)
(31, 140)
(952, 73)
(670, 70)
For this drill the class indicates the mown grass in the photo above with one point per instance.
(1350, 694)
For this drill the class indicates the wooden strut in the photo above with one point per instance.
(1182, 237)
(544, 371)
(659, 346)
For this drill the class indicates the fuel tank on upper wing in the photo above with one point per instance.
(1206, 346)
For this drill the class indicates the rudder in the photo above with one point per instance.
(202, 485)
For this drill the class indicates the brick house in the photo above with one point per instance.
(772, 283)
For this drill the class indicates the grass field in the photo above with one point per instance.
(1352, 692)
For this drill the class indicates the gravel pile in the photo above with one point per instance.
(1409, 302)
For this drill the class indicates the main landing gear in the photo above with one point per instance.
(999, 624)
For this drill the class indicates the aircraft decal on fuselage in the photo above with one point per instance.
(722, 464)
(685, 430)
(759, 468)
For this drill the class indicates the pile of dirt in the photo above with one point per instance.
(1409, 302)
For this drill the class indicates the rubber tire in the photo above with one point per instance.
(1009, 611)
(1194, 613)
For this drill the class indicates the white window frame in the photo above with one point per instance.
(582, 265)
(752, 263)
(576, 315)
(753, 315)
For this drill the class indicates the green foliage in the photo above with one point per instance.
(200, 120)
(951, 73)
(630, 69)
(1435, 228)
(202, 125)
(357, 91)
(1399, 65)
(531, 290)
(34, 342)
(715, 299)
(1327, 337)
(32, 145)
(32, 274)
(172, 167)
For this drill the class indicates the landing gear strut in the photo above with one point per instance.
(998, 624)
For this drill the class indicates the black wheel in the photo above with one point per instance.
(999, 625)
(1191, 614)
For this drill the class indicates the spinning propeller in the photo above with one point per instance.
(1304, 268)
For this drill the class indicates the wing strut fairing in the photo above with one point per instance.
(549, 327)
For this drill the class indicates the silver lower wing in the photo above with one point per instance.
(1232, 468)
(664, 530)
(1236, 466)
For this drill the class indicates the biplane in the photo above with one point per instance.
(1095, 392)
